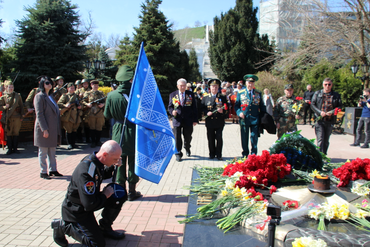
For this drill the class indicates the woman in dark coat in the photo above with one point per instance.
(47, 128)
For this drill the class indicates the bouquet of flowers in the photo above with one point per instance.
(223, 107)
(327, 211)
(288, 204)
(354, 170)
(244, 106)
(175, 102)
(359, 219)
(308, 242)
(297, 107)
(334, 112)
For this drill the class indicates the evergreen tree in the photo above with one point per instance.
(49, 43)
(194, 74)
(234, 42)
(160, 47)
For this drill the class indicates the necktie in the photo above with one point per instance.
(182, 98)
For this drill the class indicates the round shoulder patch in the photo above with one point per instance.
(90, 187)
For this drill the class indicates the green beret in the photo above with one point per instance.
(212, 82)
(59, 77)
(250, 77)
(288, 86)
(124, 73)
(70, 84)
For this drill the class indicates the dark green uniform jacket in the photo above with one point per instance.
(115, 107)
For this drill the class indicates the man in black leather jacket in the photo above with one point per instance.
(324, 102)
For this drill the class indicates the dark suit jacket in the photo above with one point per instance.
(186, 114)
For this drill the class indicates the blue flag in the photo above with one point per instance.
(155, 142)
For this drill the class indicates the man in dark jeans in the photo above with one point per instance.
(364, 120)
(323, 104)
(307, 96)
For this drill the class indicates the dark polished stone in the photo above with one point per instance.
(204, 233)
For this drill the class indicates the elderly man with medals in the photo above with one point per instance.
(249, 106)
(215, 109)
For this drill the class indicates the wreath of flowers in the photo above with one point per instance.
(300, 152)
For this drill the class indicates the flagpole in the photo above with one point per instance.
(124, 121)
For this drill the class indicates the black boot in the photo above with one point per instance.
(73, 140)
(15, 145)
(9, 141)
(132, 193)
(97, 137)
(106, 222)
(69, 140)
(59, 236)
(92, 136)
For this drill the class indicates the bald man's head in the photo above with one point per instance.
(109, 153)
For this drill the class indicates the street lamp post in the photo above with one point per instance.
(365, 68)
(99, 66)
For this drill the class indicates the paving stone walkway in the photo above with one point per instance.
(28, 203)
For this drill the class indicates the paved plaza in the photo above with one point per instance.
(29, 203)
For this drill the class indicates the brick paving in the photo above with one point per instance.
(29, 203)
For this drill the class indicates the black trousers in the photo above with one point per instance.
(187, 132)
(214, 136)
(88, 232)
(323, 131)
(307, 108)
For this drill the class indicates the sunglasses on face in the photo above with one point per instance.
(47, 83)
(327, 84)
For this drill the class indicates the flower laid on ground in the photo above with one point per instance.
(360, 190)
(308, 242)
(261, 226)
(290, 204)
(354, 170)
(258, 170)
(334, 112)
(328, 211)
(359, 218)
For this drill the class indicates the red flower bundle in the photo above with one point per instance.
(244, 106)
(291, 204)
(259, 169)
(336, 110)
(354, 170)
(298, 98)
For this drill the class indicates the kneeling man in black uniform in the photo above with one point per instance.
(84, 197)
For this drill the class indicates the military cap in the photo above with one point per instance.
(59, 77)
(84, 80)
(250, 77)
(124, 73)
(8, 82)
(288, 86)
(212, 82)
(94, 82)
(78, 82)
(70, 84)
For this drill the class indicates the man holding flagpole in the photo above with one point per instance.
(116, 106)
(155, 142)
(182, 106)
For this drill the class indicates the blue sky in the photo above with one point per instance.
(118, 17)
